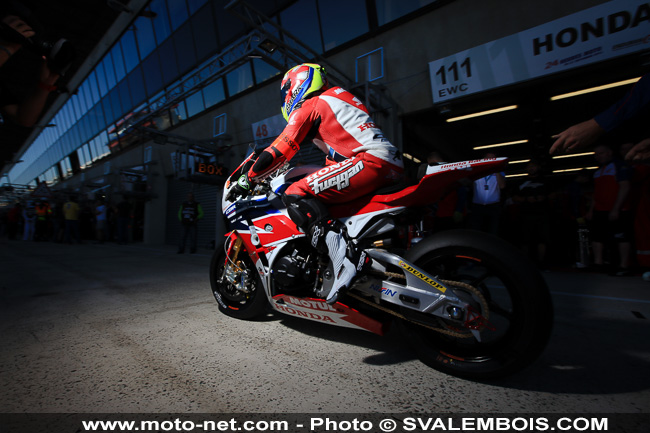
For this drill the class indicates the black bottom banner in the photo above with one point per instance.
(335, 422)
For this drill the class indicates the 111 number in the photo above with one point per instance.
(454, 69)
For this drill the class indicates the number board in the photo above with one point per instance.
(599, 33)
(266, 130)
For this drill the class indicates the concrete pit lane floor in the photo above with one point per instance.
(133, 329)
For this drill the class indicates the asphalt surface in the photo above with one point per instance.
(133, 329)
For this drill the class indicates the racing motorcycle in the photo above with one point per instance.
(470, 304)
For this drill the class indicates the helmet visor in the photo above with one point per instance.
(284, 90)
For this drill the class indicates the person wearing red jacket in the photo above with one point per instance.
(360, 160)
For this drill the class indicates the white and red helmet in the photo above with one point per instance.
(298, 83)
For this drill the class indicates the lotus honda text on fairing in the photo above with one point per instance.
(470, 303)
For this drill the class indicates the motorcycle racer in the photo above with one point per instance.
(360, 160)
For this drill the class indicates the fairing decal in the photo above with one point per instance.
(276, 228)
(320, 311)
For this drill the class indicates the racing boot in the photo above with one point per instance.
(344, 269)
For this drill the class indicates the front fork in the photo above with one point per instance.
(237, 273)
(233, 248)
(232, 271)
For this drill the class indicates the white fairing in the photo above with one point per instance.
(225, 204)
(355, 224)
(293, 175)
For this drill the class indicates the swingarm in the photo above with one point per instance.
(423, 293)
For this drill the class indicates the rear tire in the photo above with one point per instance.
(518, 301)
(233, 301)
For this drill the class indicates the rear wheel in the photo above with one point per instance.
(502, 286)
(236, 285)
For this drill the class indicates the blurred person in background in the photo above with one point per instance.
(583, 134)
(486, 207)
(532, 197)
(611, 209)
(189, 215)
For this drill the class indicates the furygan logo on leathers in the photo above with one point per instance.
(338, 177)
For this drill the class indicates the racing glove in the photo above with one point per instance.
(241, 189)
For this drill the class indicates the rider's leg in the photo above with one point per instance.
(312, 217)
(344, 268)
(342, 182)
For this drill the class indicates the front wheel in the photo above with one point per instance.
(235, 284)
(506, 289)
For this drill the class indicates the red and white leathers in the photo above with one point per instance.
(360, 159)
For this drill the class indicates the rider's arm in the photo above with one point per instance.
(287, 144)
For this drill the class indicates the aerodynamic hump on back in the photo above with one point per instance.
(436, 183)
(440, 179)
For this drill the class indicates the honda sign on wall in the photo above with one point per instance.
(600, 33)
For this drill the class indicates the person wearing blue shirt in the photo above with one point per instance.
(486, 201)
